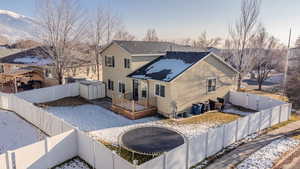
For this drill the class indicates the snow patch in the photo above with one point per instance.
(34, 60)
(175, 66)
(268, 155)
(15, 132)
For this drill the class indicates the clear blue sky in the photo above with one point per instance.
(176, 19)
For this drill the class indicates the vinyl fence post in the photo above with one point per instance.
(237, 130)
(280, 109)
(94, 155)
(8, 160)
(290, 111)
(247, 100)
(206, 144)
(271, 116)
(187, 152)
(257, 103)
(47, 150)
(165, 161)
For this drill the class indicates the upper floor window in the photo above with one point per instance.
(126, 63)
(211, 85)
(110, 61)
(160, 90)
(110, 85)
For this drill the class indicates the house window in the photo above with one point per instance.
(160, 90)
(110, 85)
(211, 85)
(121, 87)
(126, 63)
(110, 61)
(144, 93)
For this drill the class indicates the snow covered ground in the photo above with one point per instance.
(268, 155)
(106, 125)
(92, 117)
(74, 164)
(16, 132)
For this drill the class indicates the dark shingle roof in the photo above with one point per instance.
(169, 66)
(145, 47)
(34, 56)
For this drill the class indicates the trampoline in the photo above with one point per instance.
(151, 140)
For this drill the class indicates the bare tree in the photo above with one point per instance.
(241, 35)
(101, 30)
(124, 35)
(264, 51)
(151, 35)
(204, 41)
(62, 25)
(297, 44)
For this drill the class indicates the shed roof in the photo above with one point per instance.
(169, 66)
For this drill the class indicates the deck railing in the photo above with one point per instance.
(127, 102)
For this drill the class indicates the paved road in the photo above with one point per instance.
(234, 157)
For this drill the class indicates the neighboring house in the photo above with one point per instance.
(177, 76)
(28, 66)
(294, 58)
(35, 57)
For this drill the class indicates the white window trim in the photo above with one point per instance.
(211, 78)
(159, 90)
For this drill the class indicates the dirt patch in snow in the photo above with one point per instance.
(67, 101)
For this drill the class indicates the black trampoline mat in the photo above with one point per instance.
(152, 140)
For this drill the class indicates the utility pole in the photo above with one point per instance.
(287, 63)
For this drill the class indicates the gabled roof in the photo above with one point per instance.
(146, 47)
(169, 66)
(34, 56)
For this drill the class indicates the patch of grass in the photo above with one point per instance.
(67, 101)
(129, 155)
(209, 117)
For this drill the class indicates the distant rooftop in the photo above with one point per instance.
(169, 66)
(34, 56)
(145, 47)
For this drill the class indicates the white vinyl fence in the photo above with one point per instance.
(43, 154)
(270, 112)
(50, 93)
(67, 142)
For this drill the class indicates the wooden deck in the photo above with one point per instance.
(133, 109)
(134, 115)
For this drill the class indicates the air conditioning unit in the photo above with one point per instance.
(91, 90)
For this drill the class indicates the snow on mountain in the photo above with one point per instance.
(15, 26)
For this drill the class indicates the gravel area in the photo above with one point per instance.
(73, 164)
(268, 155)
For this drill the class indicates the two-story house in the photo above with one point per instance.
(175, 76)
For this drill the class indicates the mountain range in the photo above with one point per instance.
(14, 26)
